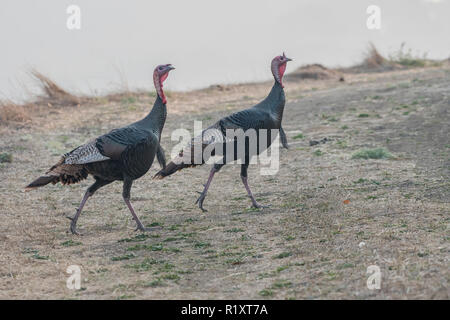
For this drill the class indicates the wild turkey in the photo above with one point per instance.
(267, 114)
(124, 154)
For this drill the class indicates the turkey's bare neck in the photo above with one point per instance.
(156, 118)
(274, 102)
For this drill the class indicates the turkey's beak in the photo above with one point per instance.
(171, 67)
(288, 59)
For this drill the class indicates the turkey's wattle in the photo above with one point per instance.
(124, 154)
(267, 115)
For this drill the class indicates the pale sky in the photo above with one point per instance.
(208, 41)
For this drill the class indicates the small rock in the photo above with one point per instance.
(361, 244)
(315, 142)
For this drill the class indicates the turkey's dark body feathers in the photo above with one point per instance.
(125, 153)
(265, 115)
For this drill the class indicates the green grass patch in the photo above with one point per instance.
(199, 244)
(345, 266)
(341, 144)
(406, 58)
(139, 237)
(171, 276)
(154, 283)
(282, 268)
(235, 261)
(317, 153)
(71, 243)
(5, 157)
(39, 257)
(149, 247)
(283, 255)
(378, 153)
(146, 265)
(170, 239)
(128, 100)
(266, 293)
(298, 136)
(124, 257)
(281, 284)
(174, 227)
(154, 224)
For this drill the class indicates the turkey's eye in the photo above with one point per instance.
(160, 68)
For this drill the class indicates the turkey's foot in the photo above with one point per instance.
(139, 226)
(200, 201)
(205, 190)
(255, 203)
(259, 206)
(73, 225)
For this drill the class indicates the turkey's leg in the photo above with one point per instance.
(202, 197)
(244, 178)
(126, 197)
(90, 191)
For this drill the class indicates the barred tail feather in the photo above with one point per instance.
(42, 181)
(170, 169)
(178, 163)
(60, 172)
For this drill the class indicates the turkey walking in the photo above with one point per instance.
(124, 154)
(266, 115)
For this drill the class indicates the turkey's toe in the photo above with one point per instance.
(73, 229)
(200, 202)
(260, 206)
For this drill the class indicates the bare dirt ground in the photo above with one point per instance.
(330, 218)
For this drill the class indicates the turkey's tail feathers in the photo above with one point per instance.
(60, 172)
(170, 169)
(42, 181)
(192, 155)
(178, 163)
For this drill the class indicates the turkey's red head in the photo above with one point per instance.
(159, 75)
(278, 67)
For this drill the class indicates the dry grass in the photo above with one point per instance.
(308, 244)
(53, 93)
(316, 72)
(373, 61)
(403, 58)
(13, 113)
(200, 100)
(53, 96)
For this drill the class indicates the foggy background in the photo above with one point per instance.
(208, 41)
